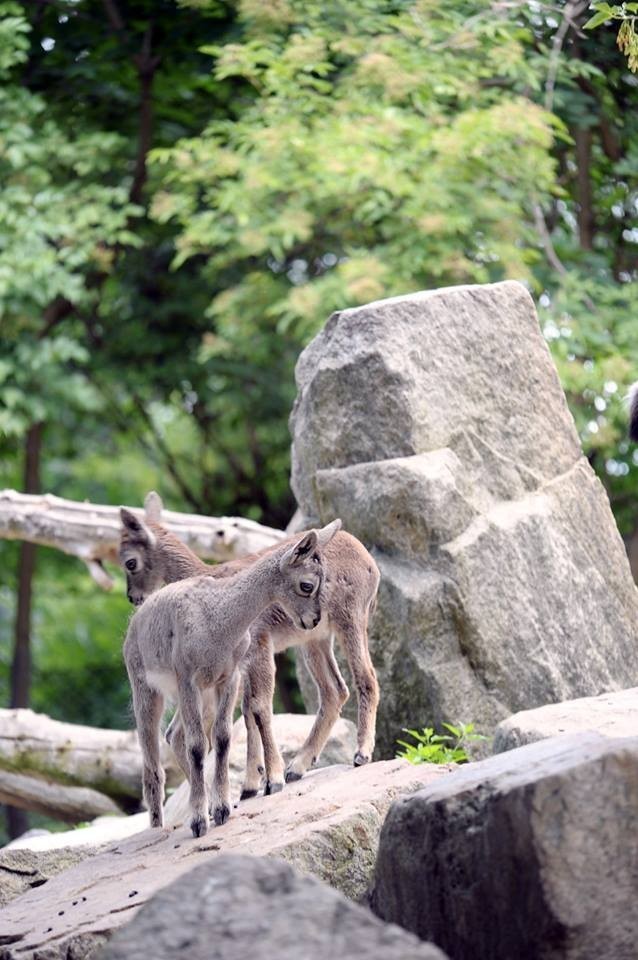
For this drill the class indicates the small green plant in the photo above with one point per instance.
(434, 747)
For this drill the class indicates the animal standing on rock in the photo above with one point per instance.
(186, 642)
(152, 556)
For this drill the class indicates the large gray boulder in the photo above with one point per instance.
(435, 426)
(248, 907)
(532, 854)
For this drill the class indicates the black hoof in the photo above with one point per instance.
(360, 759)
(290, 776)
(199, 826)
(273, 788)
(221, 814)
(247, 794)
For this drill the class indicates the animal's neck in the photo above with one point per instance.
(253, 590)
(179, 566)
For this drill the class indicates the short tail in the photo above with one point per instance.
(633, 411)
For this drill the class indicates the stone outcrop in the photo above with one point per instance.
(254, 907)
(327, 824)
(530, 854)
(435, 426)
(612, 714)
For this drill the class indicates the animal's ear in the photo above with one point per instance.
(153, 507)
(136, 529)
(301, 551)
(326, 533)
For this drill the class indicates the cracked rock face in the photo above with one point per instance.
(434, 425)
(530, 854)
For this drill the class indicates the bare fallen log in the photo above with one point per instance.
(91, 531)
(70, 771)
(42, 795)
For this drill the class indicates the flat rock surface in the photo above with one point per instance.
(529, 855)
(328, 825)
(204, 916)
(611, 714)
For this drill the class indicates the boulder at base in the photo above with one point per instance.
(237, 907)
(532, 854)
(612, 714)
(327, 824)
(435, 426)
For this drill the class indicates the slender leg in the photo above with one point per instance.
(222, 729)
(254, 752)
(354, 641)
(148, 705)
(190, 708)
(333, 693)
(261, 681)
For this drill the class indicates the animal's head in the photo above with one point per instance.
(301, 569)
(140, 556)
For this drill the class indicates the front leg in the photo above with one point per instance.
(222, 729)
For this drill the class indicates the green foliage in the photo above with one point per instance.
(627, 38)
(305, 157)
(431, 747)
(360, 165)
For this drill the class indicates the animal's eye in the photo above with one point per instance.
(131, 564)
(306, 587)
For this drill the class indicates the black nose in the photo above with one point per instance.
(316, 620)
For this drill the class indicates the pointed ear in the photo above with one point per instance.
(326, 533)
(153, 507)
(301, 551)
(136, 529)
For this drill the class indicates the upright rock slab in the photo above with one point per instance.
(532, 854)
(435, 426)
(240, 907)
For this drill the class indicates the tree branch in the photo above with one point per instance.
(91, 532)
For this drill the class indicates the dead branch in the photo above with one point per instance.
(91, 532)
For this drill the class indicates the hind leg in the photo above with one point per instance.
(221, 733)
(196, 745)
(254, 751)
(355, 645)
(148, 705)
(333, 693)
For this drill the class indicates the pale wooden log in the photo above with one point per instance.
(43, 795)
(46, 762)
(92, 531)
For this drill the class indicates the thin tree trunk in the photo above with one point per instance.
(586, 224)
(17, 820)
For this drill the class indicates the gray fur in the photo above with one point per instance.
(185, 644)
(350, 588)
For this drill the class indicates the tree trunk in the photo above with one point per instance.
(586, 224)
(17, 820)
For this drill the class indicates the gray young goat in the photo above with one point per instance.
(152, 556)
(185, 644)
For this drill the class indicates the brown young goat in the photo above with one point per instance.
(187, 641)
(152, 556)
